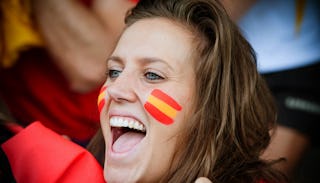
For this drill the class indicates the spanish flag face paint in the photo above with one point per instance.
(162, 107)
(102, 98)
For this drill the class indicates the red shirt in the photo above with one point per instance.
(37, 155)
(35, 89)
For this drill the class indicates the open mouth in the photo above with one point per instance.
(126, 132)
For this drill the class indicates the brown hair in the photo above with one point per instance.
(233, 109)
(2, 46)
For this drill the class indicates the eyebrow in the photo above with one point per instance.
(143, 61)
(114, 58)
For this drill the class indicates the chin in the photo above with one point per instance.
(127, 153)
(134, 152)
(128, 175)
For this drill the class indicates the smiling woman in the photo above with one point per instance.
(183, 99)
(146, 87)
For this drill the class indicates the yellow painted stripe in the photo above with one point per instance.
(162, 106)
(101, 96)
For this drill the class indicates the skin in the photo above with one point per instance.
(202, 180)
(236, 9)
(287, 143)
(79, 38)
(151, 54)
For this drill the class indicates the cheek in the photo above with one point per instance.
(102, 98)
(162, 107)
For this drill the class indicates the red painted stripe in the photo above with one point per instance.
(135, 1)
(166, 98)
(102, 101)
(100, 105)
(103, 88)
(158, 115)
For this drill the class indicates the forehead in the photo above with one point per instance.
(156, 38)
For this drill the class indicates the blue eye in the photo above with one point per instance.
(113, 73)
(152, 76)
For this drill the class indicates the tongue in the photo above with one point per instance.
(127, 141)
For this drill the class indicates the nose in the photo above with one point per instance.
(122, 88)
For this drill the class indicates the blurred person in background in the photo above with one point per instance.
(286, 38)
(53, 60)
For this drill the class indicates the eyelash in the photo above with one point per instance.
(153, 76)
(110, 72)
(150, 76)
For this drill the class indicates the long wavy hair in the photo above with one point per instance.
(1, 33)
(233, 108)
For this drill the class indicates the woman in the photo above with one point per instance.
(183, 99)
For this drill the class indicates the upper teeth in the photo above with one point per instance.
(126, 122)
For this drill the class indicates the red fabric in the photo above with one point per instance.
(38, 155)
(13, 127)
(88, 3)
(34, 89)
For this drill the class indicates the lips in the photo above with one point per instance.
(126, 133)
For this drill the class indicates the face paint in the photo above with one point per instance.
(101, 98)
(162, 107)
(135, 1)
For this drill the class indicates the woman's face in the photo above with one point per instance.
(150, 87)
